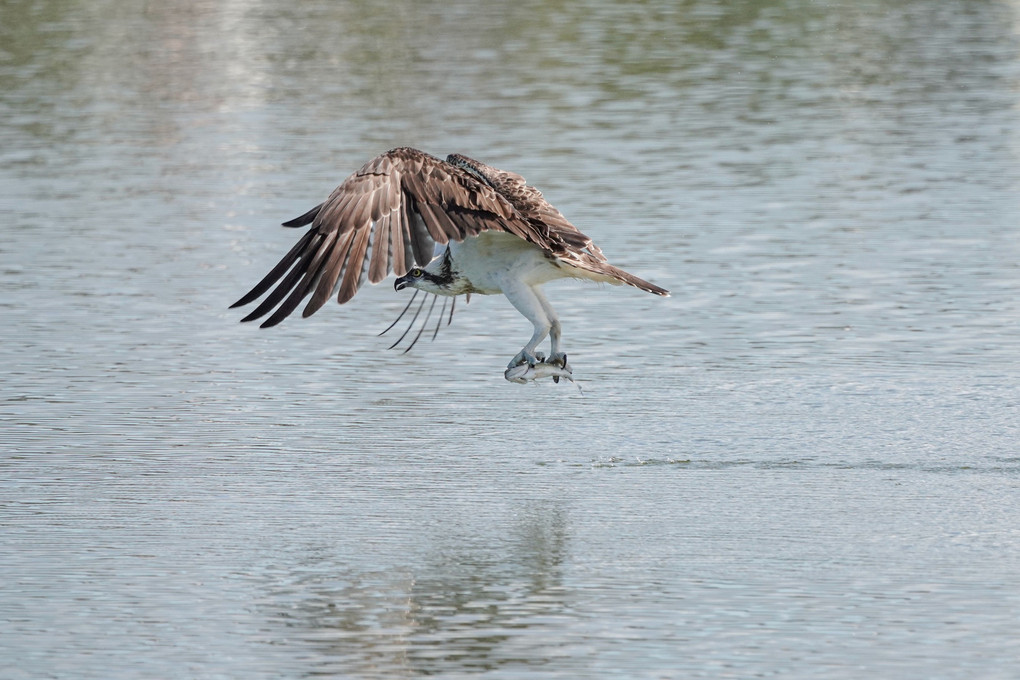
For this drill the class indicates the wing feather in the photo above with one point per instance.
(305, 219)
(285, 286)
(359, 213)
(381, 249)
(400, 246)
(432, 220)
(353, 268)
(330, 274)
(422, 245)
(301, 290)
(273, 276)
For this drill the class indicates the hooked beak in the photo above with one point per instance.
(400, 284)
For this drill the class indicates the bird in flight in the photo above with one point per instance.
(448, 228)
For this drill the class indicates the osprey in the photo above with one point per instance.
(449, 228)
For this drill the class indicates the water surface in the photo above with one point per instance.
(804, 464)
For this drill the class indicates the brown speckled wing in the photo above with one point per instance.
(384, 218)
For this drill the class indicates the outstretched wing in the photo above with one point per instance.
(385, 217)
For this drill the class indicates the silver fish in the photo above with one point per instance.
(526, 373)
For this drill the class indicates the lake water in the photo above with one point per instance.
(804, 464)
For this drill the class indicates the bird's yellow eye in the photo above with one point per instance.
(416, 273)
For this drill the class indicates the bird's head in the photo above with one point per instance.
(419, 278)
(410, 279)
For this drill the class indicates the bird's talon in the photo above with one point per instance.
(524, 358)
(559, 359)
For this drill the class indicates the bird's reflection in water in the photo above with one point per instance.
(466, 606)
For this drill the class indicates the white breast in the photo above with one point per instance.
(492, 257)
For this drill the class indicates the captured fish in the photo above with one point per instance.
(525, 373)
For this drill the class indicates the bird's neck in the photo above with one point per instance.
(443, 278)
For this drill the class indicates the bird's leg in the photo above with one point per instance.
(528, 301)
(557, 357)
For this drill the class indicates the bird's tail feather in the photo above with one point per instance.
(632, 280)
(607, 273)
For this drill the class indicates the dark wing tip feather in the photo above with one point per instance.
(283, 288)
(271, 321)
(307, 218)
(273, 276)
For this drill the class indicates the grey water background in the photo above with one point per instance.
(804, 464)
